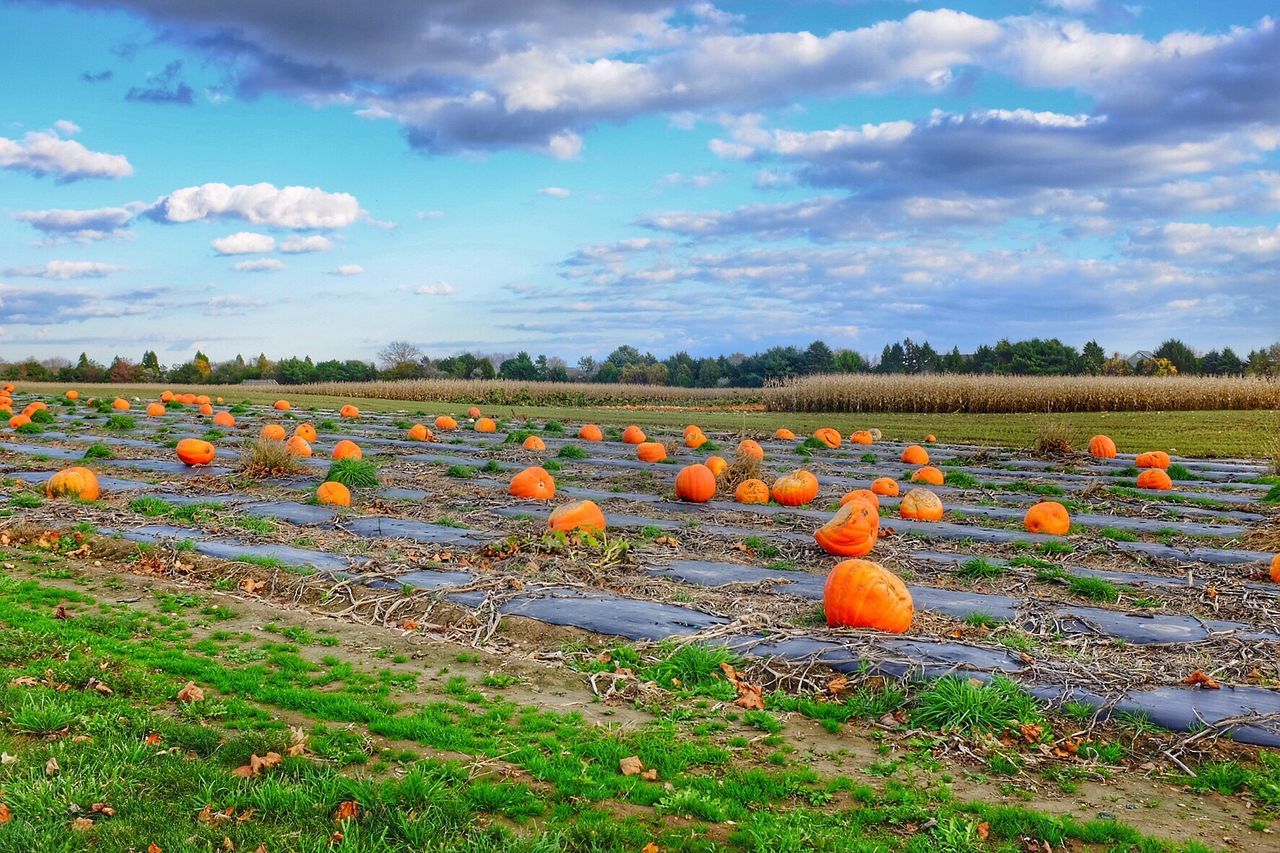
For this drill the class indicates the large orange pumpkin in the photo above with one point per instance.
(751, 449)
(784, 434)
(298, 446)
(634, 435)
(206, 409)
(928, 474)
(307, 431)
(349, 411)
(155, 410)
(272, 432)
(752, 492)
(795, 489)
(419, 432)
(579, 515)
(347, 449)
(886, 486)
(651, 451)
(852, 532)
(446, 423)
(1153, 459)
(166, 396)
(921, 504)
(828, 436)
(1155, 478)
(37, 406)
(590, 432)
(282, 406)
(695, 483)
(717, 464)
(862, 436)
(224, 419)
(203, 400)
(533, 484)
(120, 404)
(196, 451)
(187, 399)
(861, 594)
(333, 494)
(76, 482)
(914, 454)
(18, 420)
(486, 425)
(72, 394)
(1048, 517)
(534, 443)
(1102, 447)
(861, 495)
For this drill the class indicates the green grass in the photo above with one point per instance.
(1117, 534)
(571, 451)
(979, 568)
(121, 423)
(353, 473)
(961, 480)
(98, 450)
(954, 704)
(1094, 589)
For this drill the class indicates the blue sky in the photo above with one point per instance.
(242, 176)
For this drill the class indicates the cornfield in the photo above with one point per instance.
(863, 392)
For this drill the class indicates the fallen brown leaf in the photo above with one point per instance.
(347, 810)
(82, 824)
(190, 693)
(631, 765)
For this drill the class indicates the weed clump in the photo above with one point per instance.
(263, 458)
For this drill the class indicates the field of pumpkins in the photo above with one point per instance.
(1122, 579)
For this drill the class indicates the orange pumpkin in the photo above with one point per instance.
(921, 504)
(349, 411)
(37, 406)
(634, 435)
(1155, 478)
(752, 492)
(347, 449)
(224, 419)
(307, 431)
(915, 455)
(862, 494)
(534, 443)
(579, 515)
(282, 406)
(166, 396)
(930, 438)
(155, 410)
(473, 412)
(651, 451)
(716, 464)
(76, 482)
(333, 494)
(861, 594)
(784, 434)
(862, 437)
(1102, 447)
(886, 486)
(828, 436)
(72, 395)
(751, 449)
(795, 489)
(694, 437)
(695, 483)
(202, 400)
(195, 451)
(188, 399)
(298, 446)
(206, 409)
(120, 404)
(419, 432)
(446, 423)
(271, 432)
(852, 532)
(533, 484)
(1153, 459)
(18, 420)
(590, 432)
(1275, 568)
(218, 400)
(1048, 517)
(486, 425)
(928, 474)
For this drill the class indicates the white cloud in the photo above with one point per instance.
(66, 128)
(232, 305)
(260, 204)
(46, 153)
(63, 270)
(349, 269)
(430, 214)
(554, 192)
(260, 265)
(244, 243)
(439, 288)
(80, 226)
(299, 245)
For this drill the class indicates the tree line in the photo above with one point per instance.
(402, 360)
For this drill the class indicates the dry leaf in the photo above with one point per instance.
(1206, 682)
(984, 830)
(153, 739)
(154, 848)
(5, 814)
(100, 686)
(347, 810)
(650, 775)
(61, 612)
(409, 625)
(631, 765)
(6, 758)
(82, 824)
(837, 685)
(51, 767)
(651, 848)
(102, 809)
(252, 586)
(24, 681)
(228, 844)
(190, 693)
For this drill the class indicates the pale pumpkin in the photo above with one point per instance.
(921, 505)
(862, 594)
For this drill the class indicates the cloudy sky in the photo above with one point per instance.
(322, 176)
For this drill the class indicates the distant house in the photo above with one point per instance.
(1139, 357)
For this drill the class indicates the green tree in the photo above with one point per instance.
(1180, 355)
